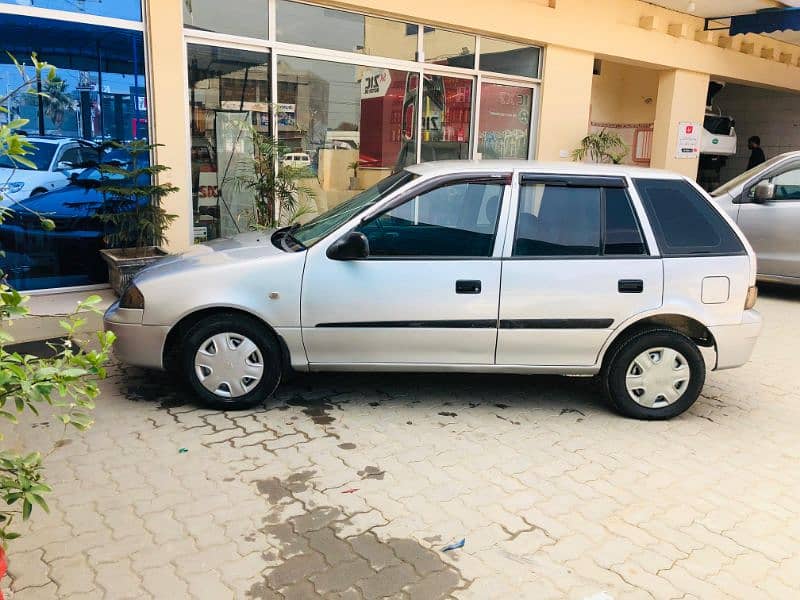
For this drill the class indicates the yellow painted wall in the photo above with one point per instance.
(624, 94)
(681, 97)
(564, 113)
(609, 28)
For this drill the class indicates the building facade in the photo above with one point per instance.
(355, 90)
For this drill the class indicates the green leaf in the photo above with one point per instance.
(47, 224)
(26, 510)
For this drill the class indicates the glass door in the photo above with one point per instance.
(446, 115)
(505, 117)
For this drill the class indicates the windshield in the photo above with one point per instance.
(313, 231)
(41, 154)
(736, 181)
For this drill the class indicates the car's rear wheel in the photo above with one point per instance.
(655, 374)
(231, 361)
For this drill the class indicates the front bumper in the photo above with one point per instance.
(735, 343)
(136, 344)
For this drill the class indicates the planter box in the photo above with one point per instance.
(122, 267)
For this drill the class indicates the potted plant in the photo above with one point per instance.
(279, 196)
(354, 179)
(135, 220)
(601, 147)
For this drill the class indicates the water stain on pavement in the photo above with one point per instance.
(276, 490)
(371, 473)
(347, 446)
(315, 560)
(316, 409)
(448, 414)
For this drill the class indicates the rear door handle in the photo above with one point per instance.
(630, 286)
(468, 286)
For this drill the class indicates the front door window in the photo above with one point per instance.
(453, 220)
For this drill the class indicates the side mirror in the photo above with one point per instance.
(353, 246)
(64, 166)
(764, 192)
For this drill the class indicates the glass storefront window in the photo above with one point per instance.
(505, 121)
(446, 117)
(118, 9)
(450, 48)
(237, 17)
(340, 30)
(511, 58)
(229, 90)
(342, 115)
(98, 95)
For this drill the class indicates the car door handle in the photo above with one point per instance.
(468, 286)
(630, 286)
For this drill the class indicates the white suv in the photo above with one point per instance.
(497, 266)
(56, 158)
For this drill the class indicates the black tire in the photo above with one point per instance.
(621, 359)
(253, 330)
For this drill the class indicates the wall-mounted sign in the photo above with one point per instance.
(688, 140)
(375, 83)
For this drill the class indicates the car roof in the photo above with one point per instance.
(445, 167)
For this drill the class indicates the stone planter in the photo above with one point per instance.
(122, 266)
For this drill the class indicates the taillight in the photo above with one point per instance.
(752, 296)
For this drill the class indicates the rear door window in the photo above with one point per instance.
(684, 221)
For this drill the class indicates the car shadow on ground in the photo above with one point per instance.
(424, 391)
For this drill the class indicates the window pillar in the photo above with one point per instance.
(566, 98)
(681, 98)
(167, 89)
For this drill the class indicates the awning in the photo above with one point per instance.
(767, 21)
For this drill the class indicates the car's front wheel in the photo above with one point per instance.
(655, 374)
(231, 361)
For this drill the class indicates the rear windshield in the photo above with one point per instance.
(683, 220)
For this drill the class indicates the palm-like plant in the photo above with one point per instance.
(56, 100)
(279, 196)
(601, 147)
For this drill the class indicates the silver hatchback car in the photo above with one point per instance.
(501, 266)
(765, 203)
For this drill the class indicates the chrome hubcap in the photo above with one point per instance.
(229, 365)
(657, 377)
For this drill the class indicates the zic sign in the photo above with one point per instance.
(375, 83)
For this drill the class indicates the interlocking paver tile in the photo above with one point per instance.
(348, 486)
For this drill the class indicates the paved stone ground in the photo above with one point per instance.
(348, 486)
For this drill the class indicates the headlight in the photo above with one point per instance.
(132, 297)
(13, 187)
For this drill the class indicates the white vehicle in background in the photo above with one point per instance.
(55, 158)
(298, 160)
(717, 140)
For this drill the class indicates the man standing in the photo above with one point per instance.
(756, 153)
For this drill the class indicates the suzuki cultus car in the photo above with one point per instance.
(497, 266)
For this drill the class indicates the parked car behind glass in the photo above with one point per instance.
(68, 255)
(616, 271)
(765, 203)
(56, 160)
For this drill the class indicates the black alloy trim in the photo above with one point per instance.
(433, 324)
(556, 323)
(475, 324)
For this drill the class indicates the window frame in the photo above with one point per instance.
(429, 185)
(602, 182)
